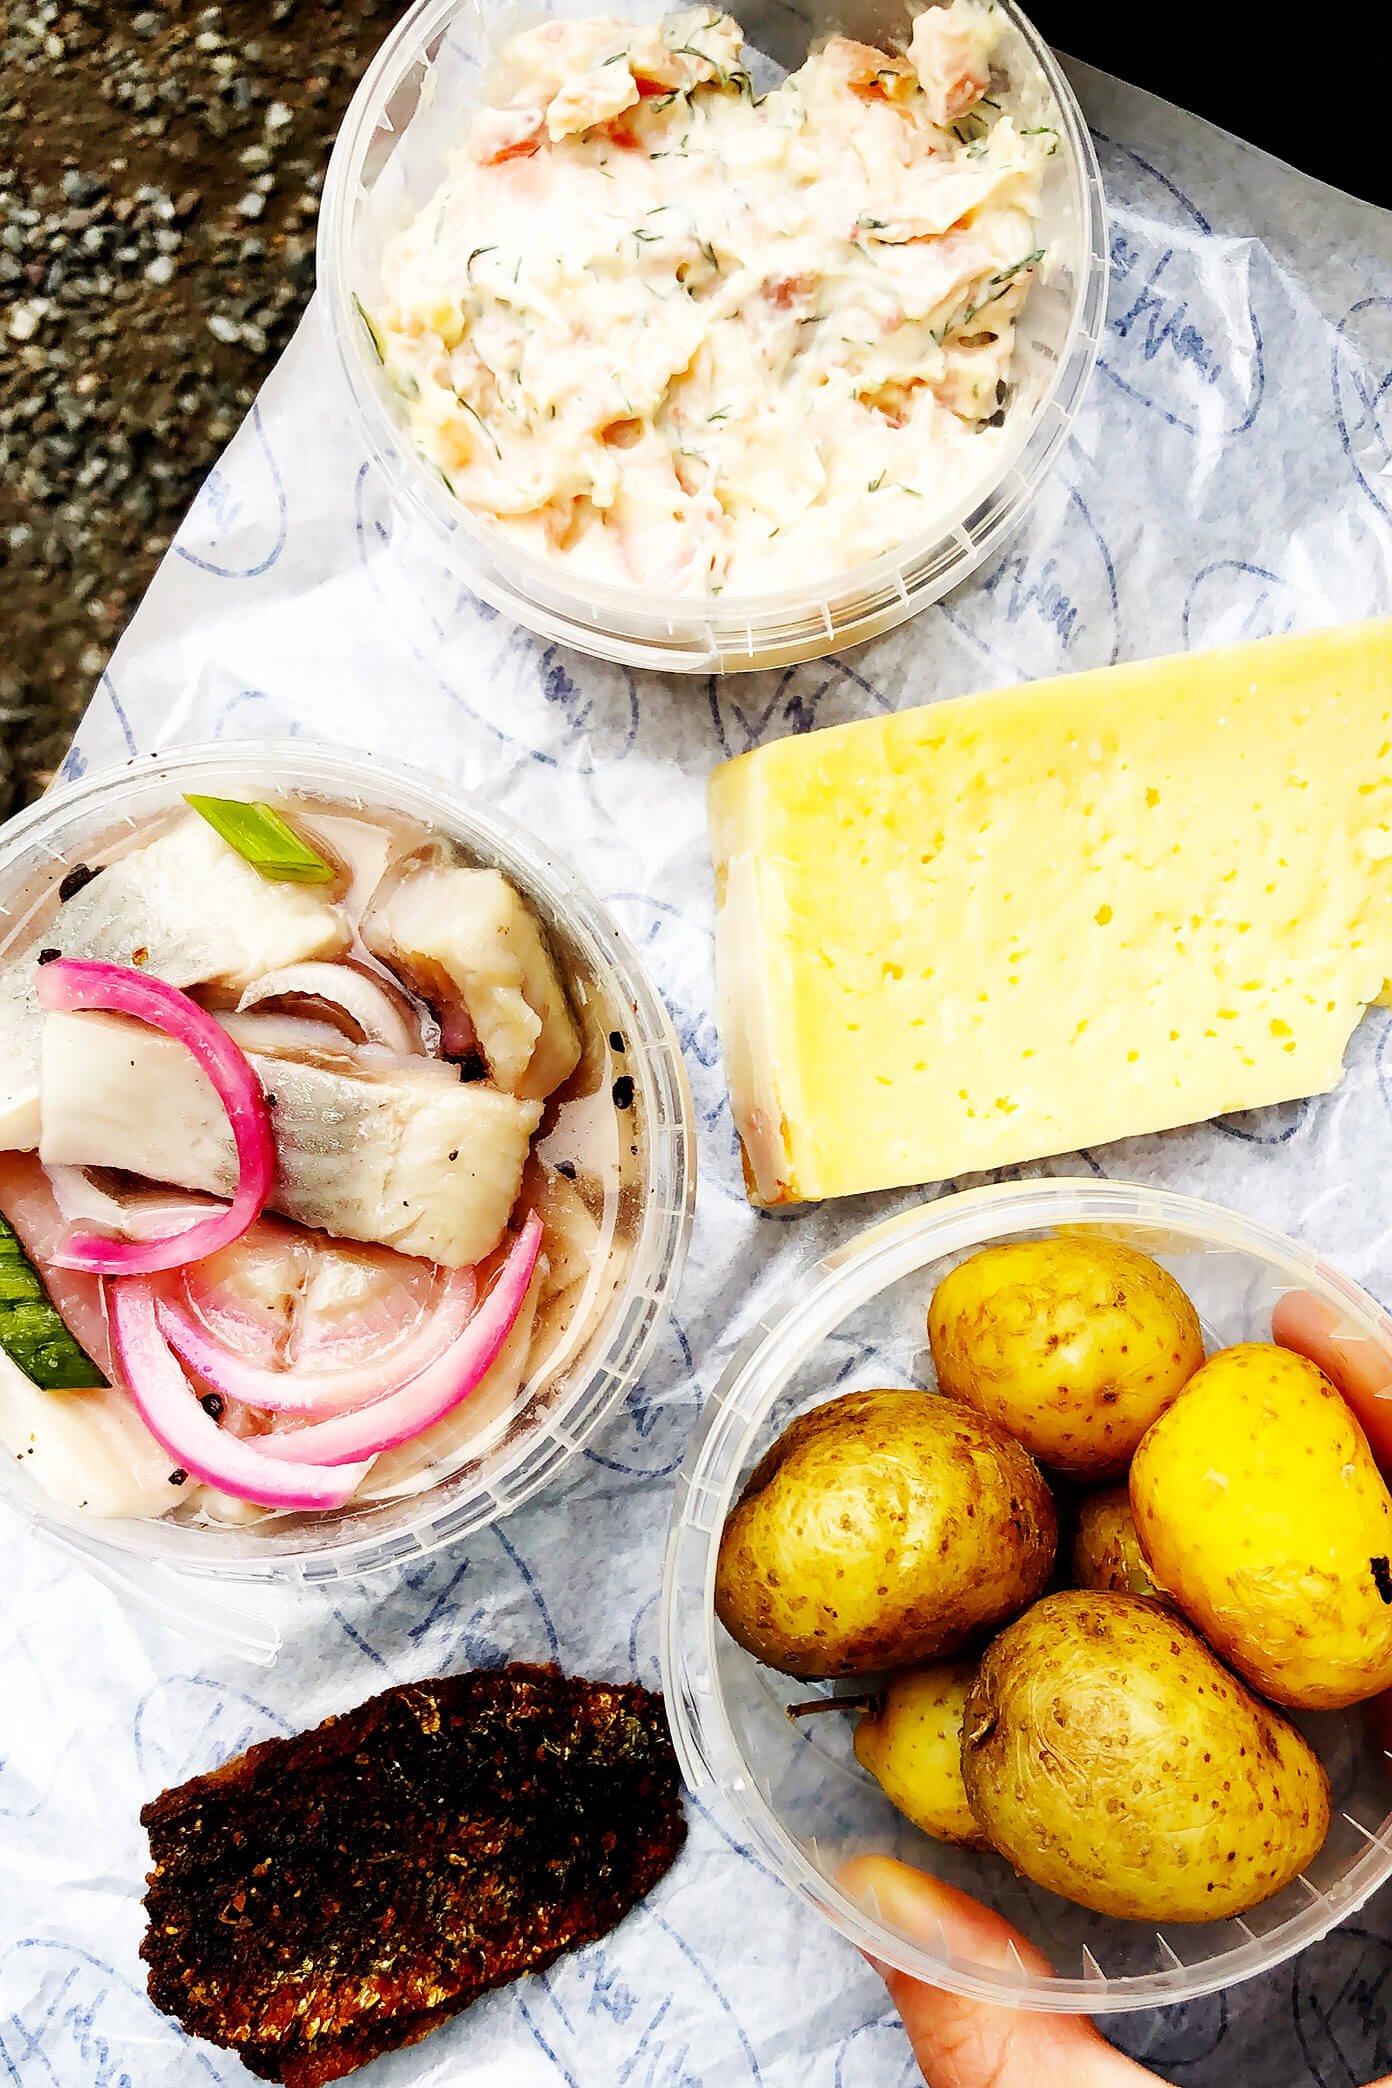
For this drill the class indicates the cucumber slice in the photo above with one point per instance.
(32, 1332)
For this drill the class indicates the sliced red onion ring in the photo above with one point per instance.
(319, 1392)
(412, 1409)
(366, 1003)
(167, 1404)
(70, 984)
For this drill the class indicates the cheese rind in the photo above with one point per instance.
(1015, 924)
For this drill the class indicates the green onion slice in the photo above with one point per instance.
(32, 1332)
(264, 839)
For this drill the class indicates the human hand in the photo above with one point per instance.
(976, 2044)
(971, 2044)
(1360, 1367)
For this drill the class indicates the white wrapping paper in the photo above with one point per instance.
(1231, 475)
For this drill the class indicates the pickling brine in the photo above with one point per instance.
(675, 333)
(317, 1164)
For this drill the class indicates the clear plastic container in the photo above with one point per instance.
(168, 1565)
(795, 1792)
(392, 151)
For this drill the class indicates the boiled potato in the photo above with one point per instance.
(1111, 1758)
(911, 1742)
(1073, 1344)
(1259, 1506)
(1106, 1550)
(882, 1529)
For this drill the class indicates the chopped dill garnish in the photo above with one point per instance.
(614, 57)
(372, 333)
(996, 284)
(469, 264)
(483, 424)
(875, 484)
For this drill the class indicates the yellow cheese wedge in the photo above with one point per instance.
(1018, 923)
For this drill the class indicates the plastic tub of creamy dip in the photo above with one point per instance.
(794, 1790)
(405, 126)
(616, 1133)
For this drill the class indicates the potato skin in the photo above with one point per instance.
(1073, 1344)
(1106, 1550)
(882, 1529)
(911, 1742)
(1111, 1758)
(1259, 1505)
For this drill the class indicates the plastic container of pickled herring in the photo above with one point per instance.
(793, 1789)
(408, 122)
(607, 1164)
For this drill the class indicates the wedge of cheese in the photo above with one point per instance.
(1014, 924)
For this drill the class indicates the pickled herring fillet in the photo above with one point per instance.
(186, 907)
(466, 942)
(417, 1161)
(321, 1900)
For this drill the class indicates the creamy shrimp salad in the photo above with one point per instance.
(677, 334)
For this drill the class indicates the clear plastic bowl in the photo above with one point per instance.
(405, 120)
(152, 1559)
(795, 1790)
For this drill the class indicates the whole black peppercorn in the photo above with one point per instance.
(81, 874)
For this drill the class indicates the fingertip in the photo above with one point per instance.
(936, 1916)
(1357, 1363)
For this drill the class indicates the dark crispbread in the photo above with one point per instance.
(321, 1900)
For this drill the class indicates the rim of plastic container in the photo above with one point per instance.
(681, 633)
(659, 1250)
(799, 1316)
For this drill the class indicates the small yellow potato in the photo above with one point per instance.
(882, 1529)
(1074, 1344)
(911, 1742)
(1259, 1506)
(1113, 1759)
(1106, 1550)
